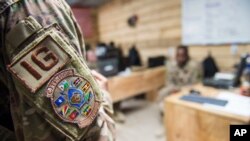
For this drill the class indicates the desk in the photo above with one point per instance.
(147, 81)
(188, 121)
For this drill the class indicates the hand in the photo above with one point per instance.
(101, 80)
(174, 91)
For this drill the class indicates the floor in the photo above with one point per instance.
(143, 122)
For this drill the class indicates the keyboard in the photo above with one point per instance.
(203, 99)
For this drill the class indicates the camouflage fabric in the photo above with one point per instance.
(6, 135)
(178, 77)
(33, 116)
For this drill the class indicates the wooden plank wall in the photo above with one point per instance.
(222, 54)
(158, 27)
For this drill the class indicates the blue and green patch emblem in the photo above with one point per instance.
(72, 98)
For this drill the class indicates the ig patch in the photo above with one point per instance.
(72, 98)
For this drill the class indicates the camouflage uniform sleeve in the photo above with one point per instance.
(105, 123)
(78, 31)
(29, 123)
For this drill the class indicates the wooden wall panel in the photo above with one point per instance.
(158, 20)
(222, 54)
(158, 28)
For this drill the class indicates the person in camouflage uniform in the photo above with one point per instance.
(32, 117)
(181, 72)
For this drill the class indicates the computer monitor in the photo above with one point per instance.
(239, 71)
(156, 61)
(108, 67)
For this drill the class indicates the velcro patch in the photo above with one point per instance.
(37, 65)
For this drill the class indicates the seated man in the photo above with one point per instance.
(180, 72)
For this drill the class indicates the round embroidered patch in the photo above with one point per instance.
(72, 98)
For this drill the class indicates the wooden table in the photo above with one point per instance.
(146, 81)
(188, 121)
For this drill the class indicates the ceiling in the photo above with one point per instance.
(88, 3)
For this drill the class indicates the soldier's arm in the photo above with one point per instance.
(36, 63)
(79, 33)
(107, 125)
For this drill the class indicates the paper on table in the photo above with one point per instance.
(237, 104)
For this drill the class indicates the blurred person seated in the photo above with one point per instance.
(181, 72)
